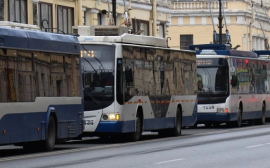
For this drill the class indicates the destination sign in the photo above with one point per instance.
(211, 62)
(201, 62)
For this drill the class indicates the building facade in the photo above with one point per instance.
(191, 23)
(61, 15)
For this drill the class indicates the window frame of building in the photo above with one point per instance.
(163, 30)
(50, 25)
(2, 11)
(68, 19)
(136, 25)
(99, 18)
(20, 11)
(186, 47)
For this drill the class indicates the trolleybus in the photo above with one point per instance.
(134, 83)
(40, 87)
(233, 86)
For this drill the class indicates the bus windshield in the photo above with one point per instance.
(213, 81)
(98, 63)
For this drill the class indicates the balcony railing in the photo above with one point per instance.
(199, 5)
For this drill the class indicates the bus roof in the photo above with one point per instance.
(262, 52)
(221, 49)
(38, 41)
(126, 39)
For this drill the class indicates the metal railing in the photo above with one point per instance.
(196, 5)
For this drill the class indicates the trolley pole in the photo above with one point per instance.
(220, 23)
(114, 10)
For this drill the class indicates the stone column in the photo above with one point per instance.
(154, 13)
(6, 10)
(30, 12)
(92, 14)
(79, 9)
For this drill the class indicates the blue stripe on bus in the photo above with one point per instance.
(190, 120)
(116, 126)
(158, 123)
(223, 117)
(23, 127)
(216, 117)
(148, 124)
(267, 114)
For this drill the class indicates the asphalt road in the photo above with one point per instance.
(215, 147)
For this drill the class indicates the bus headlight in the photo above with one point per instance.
(220, 110)
(114, 117)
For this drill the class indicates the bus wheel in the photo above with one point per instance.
(49, 143)
(176, 131)
(262, 120)
(135, 136)
(238, 123)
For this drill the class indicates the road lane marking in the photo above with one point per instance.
(255, 146)
(170, 161)
(27, 156)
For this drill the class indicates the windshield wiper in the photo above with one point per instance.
(92, 97)
(89, 64)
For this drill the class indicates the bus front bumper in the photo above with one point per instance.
(216, 117)
(116, 126)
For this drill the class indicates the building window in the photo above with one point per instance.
(192, 21)
(45, 13)
(65, 19)
(186, 41)
(140, 25)
(99, 18)
(161, 31)
(17, 11)
(1, 10)
(35, 15)
(180, 21)
(204, 21)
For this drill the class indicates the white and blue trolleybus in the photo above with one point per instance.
(233, 85)
(40, 87)
(134, 83)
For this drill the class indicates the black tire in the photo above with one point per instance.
(136, 136)
(176, 131)
(238, 122)
(49, 143)
(262, 119)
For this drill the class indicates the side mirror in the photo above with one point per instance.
(234, 80)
